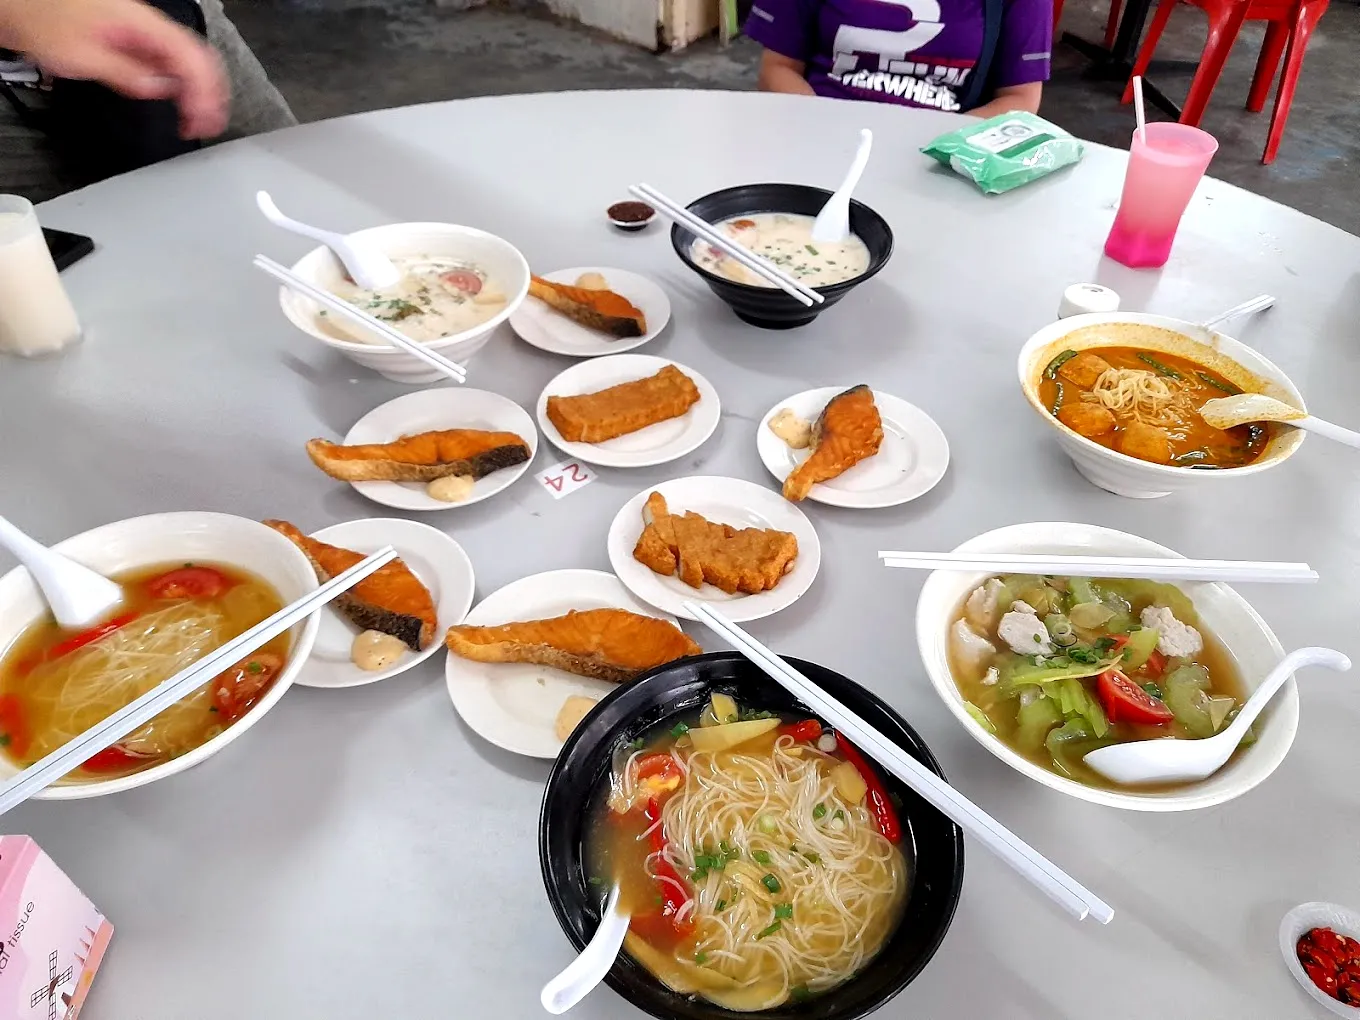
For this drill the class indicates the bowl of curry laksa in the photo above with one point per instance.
(1122, 392)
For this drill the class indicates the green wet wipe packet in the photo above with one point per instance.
(1006, 151)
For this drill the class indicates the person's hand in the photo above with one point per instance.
(126, 45)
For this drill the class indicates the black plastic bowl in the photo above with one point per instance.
(932, 843)
(770, 307)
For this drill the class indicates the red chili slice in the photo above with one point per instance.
(86, 637)
(806, 731)
(879, 802)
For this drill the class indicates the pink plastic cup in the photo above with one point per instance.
(1164, 168)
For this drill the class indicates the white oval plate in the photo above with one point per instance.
(437, 561)
(449, 407)
(911, 461)
(539, 325)
(656, 444)
(514, 705)
(1304, 918)
(731, 501)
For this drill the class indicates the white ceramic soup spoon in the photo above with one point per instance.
(367, 266)
(833, 222)
(589, 969)
(77, 595)
(1171, 760)
(1229, 412)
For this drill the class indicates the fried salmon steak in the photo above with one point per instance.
(422, 457)
(848, 430)
(607, 644)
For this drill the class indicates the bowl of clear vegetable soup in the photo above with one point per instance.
(1043, 670)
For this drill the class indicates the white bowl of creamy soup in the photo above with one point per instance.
(457, 285)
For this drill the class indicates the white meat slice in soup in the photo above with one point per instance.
(971, 651)
(982, 605)
(1025, 633)
(1174, 638)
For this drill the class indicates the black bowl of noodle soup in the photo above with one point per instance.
(778, 858)
(827, 272)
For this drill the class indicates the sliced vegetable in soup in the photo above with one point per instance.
(1056, 667)
(55, 684)
(1145, 404)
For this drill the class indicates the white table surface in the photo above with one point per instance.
(362, 854)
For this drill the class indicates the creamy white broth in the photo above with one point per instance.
(434, 298)
(786, 240)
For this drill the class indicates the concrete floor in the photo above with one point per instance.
(332, 57)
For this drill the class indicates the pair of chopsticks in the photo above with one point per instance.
(1147, 568)
(1062, 888)
(339, 306)
(699, 228)
(117, 726)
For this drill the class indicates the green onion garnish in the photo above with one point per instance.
(760, 856)
(784, 910)
(771, 883)
(767, 932)
(819, 812)
(679, 730)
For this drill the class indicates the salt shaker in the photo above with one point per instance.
(36, 316)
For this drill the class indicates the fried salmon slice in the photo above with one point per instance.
(601, 310)
(422, 457)
(391, 599)
(625, 408)
(607, 644)
(848, 430)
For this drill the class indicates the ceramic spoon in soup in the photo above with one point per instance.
(367, 266)
(77, 595)
(1186, 761)
(1229, 412)
(595, 961)
(833, 222)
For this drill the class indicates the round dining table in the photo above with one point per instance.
(362, 853)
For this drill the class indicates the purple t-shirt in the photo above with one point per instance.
(912, 52)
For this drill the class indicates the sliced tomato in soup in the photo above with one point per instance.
(189, 582)
(1124, 701)
(235, 690)
(463, 279)
(115, 758)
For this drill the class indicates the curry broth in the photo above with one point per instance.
(1194, 443)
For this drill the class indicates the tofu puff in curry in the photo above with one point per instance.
(1145, 404)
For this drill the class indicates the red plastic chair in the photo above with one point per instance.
(1290, 23)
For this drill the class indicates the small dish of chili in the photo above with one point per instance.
(1320, 943)
(631, 216)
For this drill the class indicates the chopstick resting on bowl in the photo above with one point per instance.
(707, 232)
(1062, 888)
(344, 309)
(1146, 568)
(80, 749)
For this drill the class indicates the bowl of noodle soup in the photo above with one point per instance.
(766, 879)
(1164, 369)
(56, 684)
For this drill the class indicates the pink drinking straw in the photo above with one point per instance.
(1166, 161)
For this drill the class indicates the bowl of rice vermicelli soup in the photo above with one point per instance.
(191, 582)
(767, 864)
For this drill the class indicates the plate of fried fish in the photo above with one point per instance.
(433, 450)
(533, 658)
(721, 540)
(591, 310)
(628, 410)
(852, 447)
(396, 617)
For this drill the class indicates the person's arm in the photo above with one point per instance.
(779, 73)
(1020, 65)
(1012, 97)
(125, 45)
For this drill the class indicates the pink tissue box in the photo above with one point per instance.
(53, 937)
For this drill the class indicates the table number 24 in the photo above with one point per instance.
(565, 478)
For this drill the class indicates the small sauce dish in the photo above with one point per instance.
(1298, 923)
(631, 216)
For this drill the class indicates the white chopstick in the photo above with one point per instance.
(1148, 568)
(345, 310)
(70, 755)
(1062, 888)
(707, 232)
